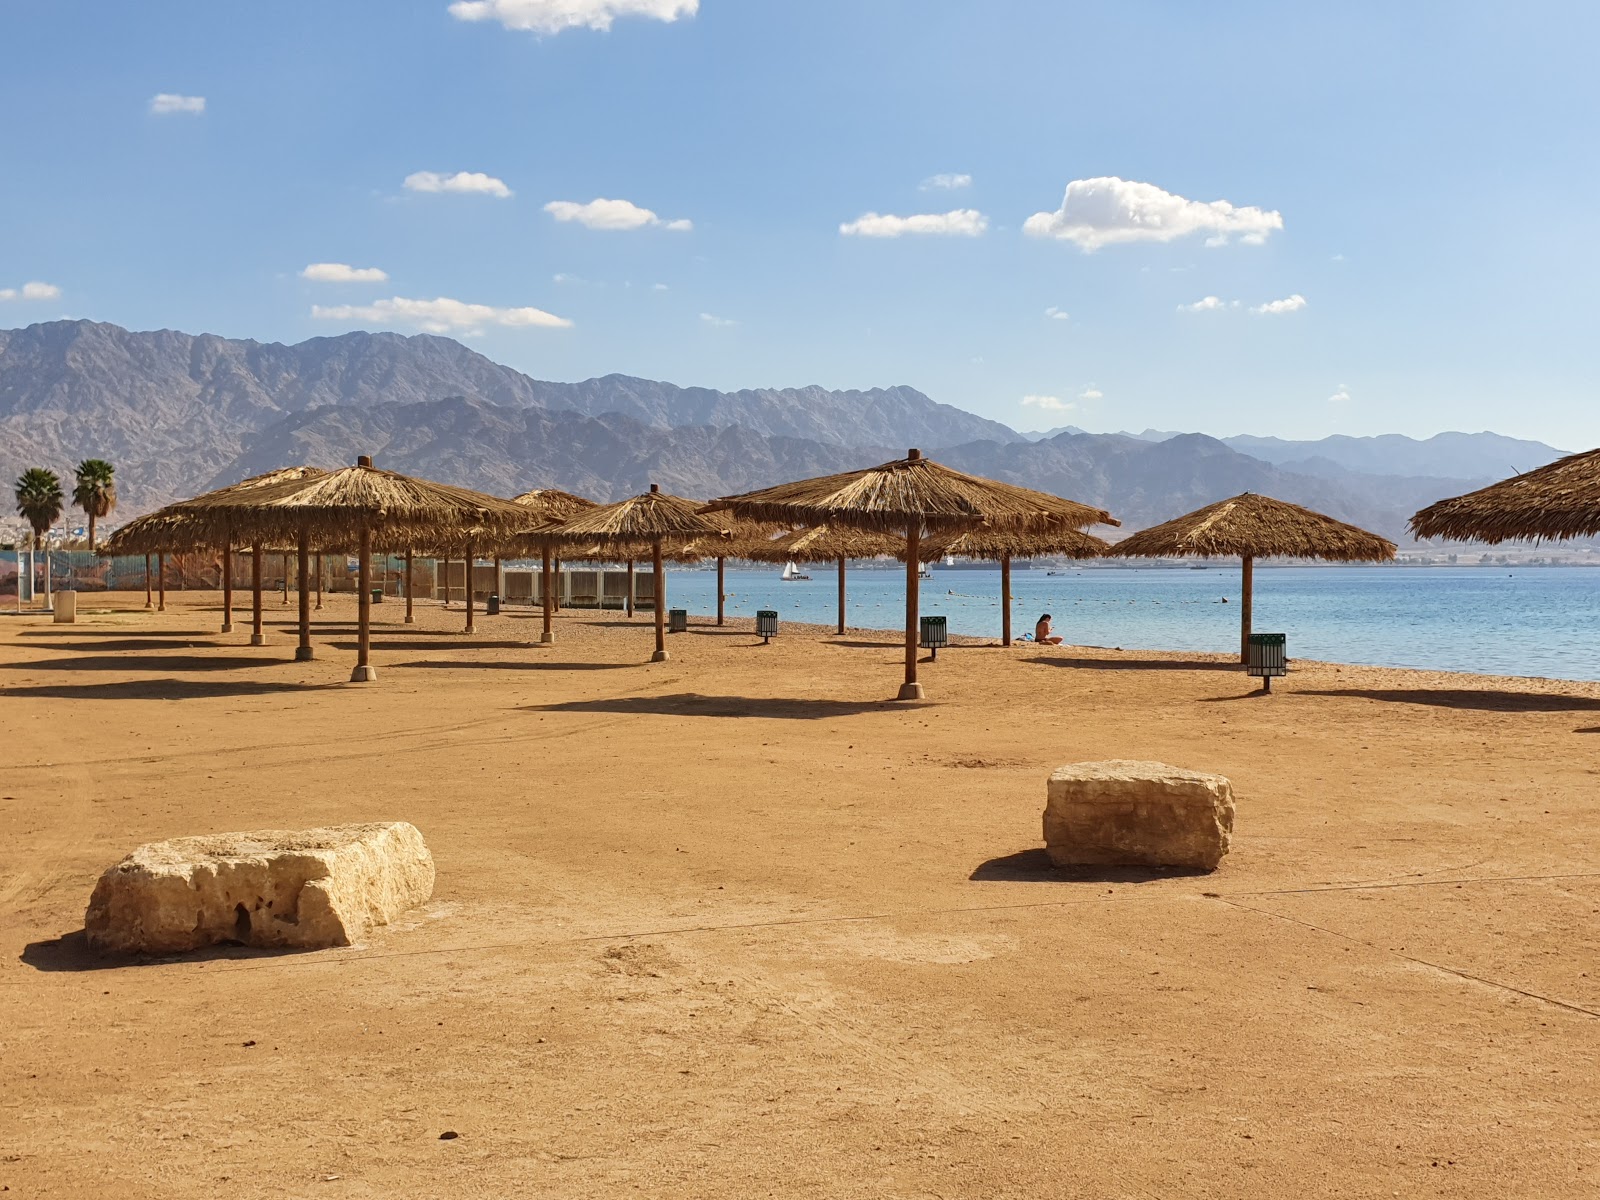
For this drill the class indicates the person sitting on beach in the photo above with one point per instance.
(1042, 632)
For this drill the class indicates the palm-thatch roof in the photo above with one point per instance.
(333, 507)
(888, 497)
(1252, 526)
(637, 522)
(170, 531)
(1561, 500)
(548, 505)
(826, 543)
(996, 544)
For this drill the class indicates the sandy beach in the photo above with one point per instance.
(735, 925)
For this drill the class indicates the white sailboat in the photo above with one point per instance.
(792, 573)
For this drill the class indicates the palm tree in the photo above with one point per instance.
(95, 491)
(39, 501)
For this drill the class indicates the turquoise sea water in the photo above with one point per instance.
(1497, 620)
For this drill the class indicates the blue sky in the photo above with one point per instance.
(1412, 187)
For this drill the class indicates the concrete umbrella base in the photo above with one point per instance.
(367, 674)
(911, 691)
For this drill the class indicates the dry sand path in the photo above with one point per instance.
(732, 926)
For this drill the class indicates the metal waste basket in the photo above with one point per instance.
(677, 620)
(491, 606)
(1268, 656)
(934, 634)
(766, 624)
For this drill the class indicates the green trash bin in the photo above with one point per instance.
(377, 595)
(935, 633)
(767, 624)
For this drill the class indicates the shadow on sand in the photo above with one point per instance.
(158, 662)
(70, 952)
(157, 689)
(1463, 698)
(466, 641)
(691, 704)
(503, 665)
(134, 645)
(161, 634)
(1034, 866)
(1131, 664)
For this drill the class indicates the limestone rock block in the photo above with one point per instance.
(1128, 813)
(272, 888)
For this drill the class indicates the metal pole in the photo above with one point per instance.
(557, 601)
(911, 689)
(227, 586)
(841, 594)
(470, 627)
(257, 637)
(410, 587)
(721, 595)
(1248, 572)
(548, 636)
(1005, 599)
(319, 583)
(630, 589)
(661, 602)
(161, 581)
(364, 672)
(285, 557)
(302, 652)
(149, 599)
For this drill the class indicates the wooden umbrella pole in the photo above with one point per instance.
(470, 627)
(161, 580)
(319, 583)
(911, 689)
(660, 602)
(630, 589)
(302, 652)
(548, 587)
(1248, 573)
(841, 593)
(149, 598)
(364, 672)
(1005, 599)
(410, 587)
(227, 586)
(721, 595)
(257, 638)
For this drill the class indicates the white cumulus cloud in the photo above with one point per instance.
(1047, 403)
(343, 273)
(1208, 304)
(612, 214)
(32, 290)
(717, 322)
(1341, 396)
(440, 315)
(1108, 210)
(462, 181)
(962, 222)
(166, 104)
(946, 183)
(552, 16)
(1091, 394)
(1057, 314)
(1274, 308)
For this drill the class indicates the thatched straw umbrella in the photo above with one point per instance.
(653, 518)
(549, 507)
(353, 505)
(919, 496)
(1557, 501)
(1248, 527)
(1003, 545)
(829, 544)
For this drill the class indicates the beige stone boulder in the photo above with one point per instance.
(271, 888)
(1128, 813)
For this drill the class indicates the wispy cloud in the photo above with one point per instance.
(612, 215)
(658, 287)
(168, 104)
(1208, 304)
(1048, 403)
(963, 222)
(468, 182)
(1090, 394)
(440, 315)
(328, 272)
(1057, 314)
(566, 277)
(32, 290)
(717, 322)
(552, 16)
(946, 183)
(1273, 308)
(1107, 210)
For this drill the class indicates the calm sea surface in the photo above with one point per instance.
(1497, 620)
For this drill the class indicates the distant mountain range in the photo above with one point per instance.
(179, 413)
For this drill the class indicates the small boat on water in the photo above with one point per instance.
(924, 574)
(792, 574)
